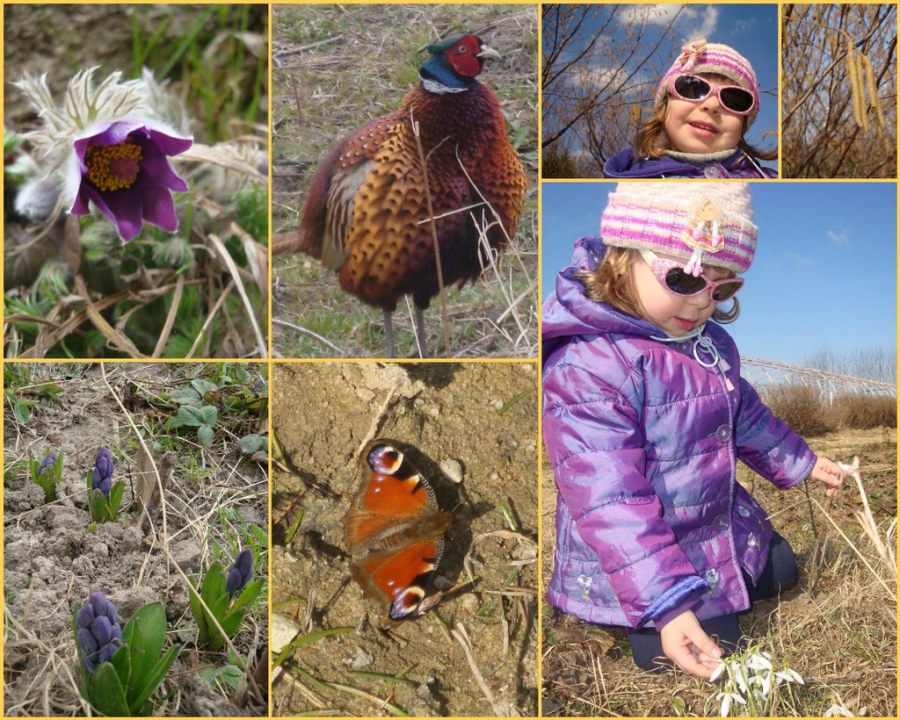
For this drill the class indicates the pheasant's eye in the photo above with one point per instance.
(461, 49)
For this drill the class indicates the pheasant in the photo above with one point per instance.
(366, 214)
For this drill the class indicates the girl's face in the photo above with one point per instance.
(705, 126)
(675, 314)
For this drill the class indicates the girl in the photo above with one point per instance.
(645, 417)
(705, 103)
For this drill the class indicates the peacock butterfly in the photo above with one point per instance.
(395, 532)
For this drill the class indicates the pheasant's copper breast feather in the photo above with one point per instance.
(366, 214)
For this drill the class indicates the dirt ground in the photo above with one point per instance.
(840, 635)
(484, 417)
(52, 561)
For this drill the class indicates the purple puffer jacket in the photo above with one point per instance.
(624, 165)
(644, 441)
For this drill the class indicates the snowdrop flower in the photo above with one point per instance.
(788, 675)
(727, 698)
(838, 710)
(109, 149)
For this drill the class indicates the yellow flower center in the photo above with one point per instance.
(113, 167)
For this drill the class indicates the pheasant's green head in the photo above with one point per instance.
(454, 64)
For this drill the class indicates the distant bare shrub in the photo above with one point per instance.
(809, 414)
(800, 406)
(865, 411)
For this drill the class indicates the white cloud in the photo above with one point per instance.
(692, 22)
(650, 14)
(594, 78)
(704, 22)
(839, 237)
(801, 260)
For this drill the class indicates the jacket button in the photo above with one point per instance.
(723, 433)
(712, 171)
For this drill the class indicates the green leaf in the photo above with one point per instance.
(187, 396)
(106, 694)
(248, 595)
(252, 443)
(21, 411)
(209, 414)
(232, 621)
(147, 633)
(121, 661)
(99, 506)
(203, 386)
(205, 435)
(190, 416)
(213, 586)
(115, 498)
(199, 617)
(153, 678)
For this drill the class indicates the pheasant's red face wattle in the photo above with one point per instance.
(464, 58)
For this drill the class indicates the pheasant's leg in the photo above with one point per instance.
(421, 336)
(389, 332)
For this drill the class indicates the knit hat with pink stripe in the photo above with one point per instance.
(706, 223)
(700, 57)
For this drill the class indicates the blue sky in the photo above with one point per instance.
(824, 275)
(752, 30)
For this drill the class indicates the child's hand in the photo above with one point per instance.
(687, 645)
(829, 473)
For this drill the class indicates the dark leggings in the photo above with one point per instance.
(779, 574)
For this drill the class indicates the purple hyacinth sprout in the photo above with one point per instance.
(99, 634)
(103, 471)
(240, 573)
(121, 166)
(47, 461)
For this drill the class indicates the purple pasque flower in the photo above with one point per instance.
(98, 631)
(122, 167)
(47, 461)
(103, 471)
(240, 573)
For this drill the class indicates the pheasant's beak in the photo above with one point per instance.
(488, 52)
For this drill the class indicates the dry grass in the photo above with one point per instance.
(841, 636)
(336, 67)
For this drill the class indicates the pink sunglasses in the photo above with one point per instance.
(672, 276)
(695, 89)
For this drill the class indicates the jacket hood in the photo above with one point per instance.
(624, 164)
(569, 312)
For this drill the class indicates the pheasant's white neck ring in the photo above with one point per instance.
(433, 86)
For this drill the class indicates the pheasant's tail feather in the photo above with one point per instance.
(284, 243)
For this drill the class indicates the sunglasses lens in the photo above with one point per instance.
(691, 88)
(682, 283)
(736, 99)
(725, 291)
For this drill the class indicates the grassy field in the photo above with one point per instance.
(836, 628)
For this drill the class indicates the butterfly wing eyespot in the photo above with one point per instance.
(394, 529)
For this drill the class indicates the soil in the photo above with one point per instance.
(52, 561)
(482, 416)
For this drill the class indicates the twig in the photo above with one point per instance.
(232, 268)
(434, 237)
